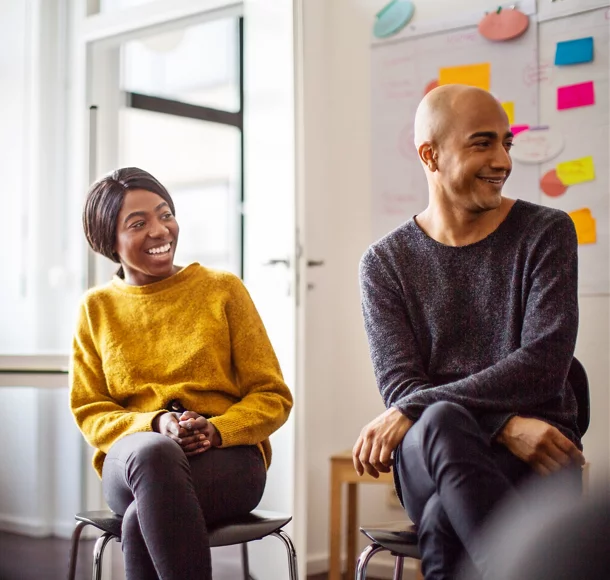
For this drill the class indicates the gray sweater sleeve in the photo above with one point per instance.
(525, 379)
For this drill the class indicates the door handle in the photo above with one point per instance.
(277, 262)
(314, 263)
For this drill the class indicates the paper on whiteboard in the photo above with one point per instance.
(537, 145)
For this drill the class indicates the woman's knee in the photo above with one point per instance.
(130, 525)
(156, 453)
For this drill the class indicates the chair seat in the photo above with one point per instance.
(253, 526)
(400, 538)
(105, 520)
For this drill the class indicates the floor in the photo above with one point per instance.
(24, 558)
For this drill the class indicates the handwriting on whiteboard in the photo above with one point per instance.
(399, 204)
(463, 38)
(534, 74)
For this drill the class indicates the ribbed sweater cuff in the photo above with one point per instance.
(229, 429)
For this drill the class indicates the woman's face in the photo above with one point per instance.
(146, 237)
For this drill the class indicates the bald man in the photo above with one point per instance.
(471, 314)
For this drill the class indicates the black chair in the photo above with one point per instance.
(254, 526)
(400, 538)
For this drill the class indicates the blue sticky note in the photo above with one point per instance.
(574, 51)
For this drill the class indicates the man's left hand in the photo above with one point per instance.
(373, 450)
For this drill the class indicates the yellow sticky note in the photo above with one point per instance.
(576, 171)
(509, 108)
(586, 231)
(475, 75)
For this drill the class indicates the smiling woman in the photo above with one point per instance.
(129, 216)
(146, 237)
(173, 380)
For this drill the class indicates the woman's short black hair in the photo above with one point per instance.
(104, 202)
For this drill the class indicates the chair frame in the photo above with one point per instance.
(102, 542)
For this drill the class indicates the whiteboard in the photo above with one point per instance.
(523, 72)
(548, 9)
(585, 131)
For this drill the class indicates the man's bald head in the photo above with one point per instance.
(463, 141)
(440, 109)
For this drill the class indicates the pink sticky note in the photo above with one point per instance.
(516, 129)
(571, 96)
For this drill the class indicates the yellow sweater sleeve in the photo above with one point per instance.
(266, 400)
(101, 419)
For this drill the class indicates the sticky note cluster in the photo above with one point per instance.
(573, 52)
(555, 182)
(474, 75)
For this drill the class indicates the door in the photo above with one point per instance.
(221, 137)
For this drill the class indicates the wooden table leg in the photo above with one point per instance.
(334, 572)
(352, 529)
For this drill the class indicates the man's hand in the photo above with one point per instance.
(373, 450)
(540, 445)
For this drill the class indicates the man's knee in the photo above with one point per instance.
(445, 415)
(433, 516)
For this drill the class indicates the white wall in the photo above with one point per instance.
(341, 391)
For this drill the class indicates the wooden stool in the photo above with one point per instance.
(342, 471)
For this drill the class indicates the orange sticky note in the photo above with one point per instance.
(474, 75)
(586, 230)
(509, 108)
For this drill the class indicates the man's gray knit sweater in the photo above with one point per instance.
(490, 326)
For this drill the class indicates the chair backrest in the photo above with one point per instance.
(580, 385)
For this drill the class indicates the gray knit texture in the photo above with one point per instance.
(490, 326)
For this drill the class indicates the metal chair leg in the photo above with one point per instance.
(398, 568)
(98, 554)
(245, 561)
(293, 571)
(363, 560)
(78, 528)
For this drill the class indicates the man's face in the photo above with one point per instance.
(473, 160)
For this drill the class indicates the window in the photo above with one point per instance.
(183, 123)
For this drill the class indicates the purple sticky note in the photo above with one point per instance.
(571, 96)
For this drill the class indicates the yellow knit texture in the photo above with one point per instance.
(195, 336)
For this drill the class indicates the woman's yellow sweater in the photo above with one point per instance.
(195, 336)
